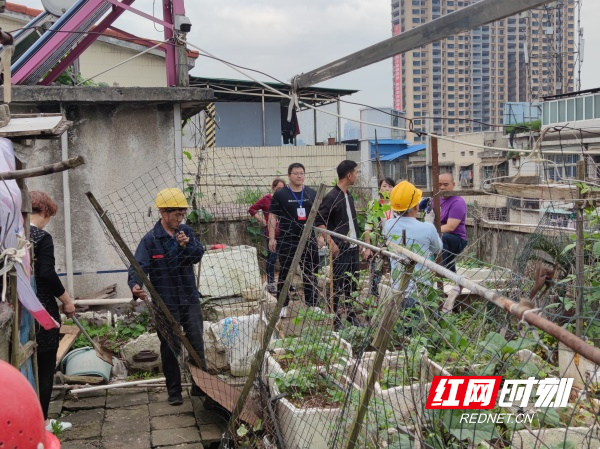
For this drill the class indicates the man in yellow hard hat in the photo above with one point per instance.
(167, 255)
(421, 238)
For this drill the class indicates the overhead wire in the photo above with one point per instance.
(293, 98)
(122, 62)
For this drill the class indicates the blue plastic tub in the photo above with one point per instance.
(85, 362)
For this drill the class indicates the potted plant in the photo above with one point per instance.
(309, 370)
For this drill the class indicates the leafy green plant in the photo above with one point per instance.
(249, 195)
(57, 429)
(197, 214)
(141, 375)
(130, 327)
(249, 438)
(523, 127)
(255, 230)
(309, 361)
(502, 360)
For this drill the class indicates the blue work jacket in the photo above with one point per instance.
(169, 266)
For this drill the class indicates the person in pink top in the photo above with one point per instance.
(263, 205)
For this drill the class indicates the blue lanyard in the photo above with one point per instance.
(296, 198)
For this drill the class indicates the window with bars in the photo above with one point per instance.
(561, 166)
(419, 176)
(494, 171)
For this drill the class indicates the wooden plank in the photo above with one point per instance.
(82, 380)
(26, 351)
(223, 393)
(35, 126)
(68, 329)
(68, 335)
(555, 192)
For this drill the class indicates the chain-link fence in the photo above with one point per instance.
(312, 346)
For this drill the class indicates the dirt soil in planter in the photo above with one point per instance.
(319, 397)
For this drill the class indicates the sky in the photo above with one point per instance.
(284, 38)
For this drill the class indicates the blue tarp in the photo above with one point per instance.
(405, 152)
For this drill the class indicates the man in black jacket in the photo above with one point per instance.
(290, 206)
(337, 214)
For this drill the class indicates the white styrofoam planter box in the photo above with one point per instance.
(226, 272)
(305, 428)
(402, 399)
(571, 364)
(271, 365)
(480, 275)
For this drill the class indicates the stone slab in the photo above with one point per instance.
(172, 421)
(126, 399)
(204, 416)
(197, 445)
(87, 424)
(163, 408)
(211, 433)
(81, 444)
(78, 403)
(126, 428)
(126, 390)
(128, 440)
(55, 409)
(158, 395)
(170, 437)
(137, 418)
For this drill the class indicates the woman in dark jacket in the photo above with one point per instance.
(263, 205)
(48, 288)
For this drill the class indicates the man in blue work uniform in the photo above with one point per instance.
(167, 255)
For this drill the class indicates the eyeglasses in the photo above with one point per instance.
(297, 174)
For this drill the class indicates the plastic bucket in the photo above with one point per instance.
(85, 362)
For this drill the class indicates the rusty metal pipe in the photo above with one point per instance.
(518, 310)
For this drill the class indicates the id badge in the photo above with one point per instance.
(301, 213)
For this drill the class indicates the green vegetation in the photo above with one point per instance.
(129, 328)
(524, 127)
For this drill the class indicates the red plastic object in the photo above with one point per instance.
(218, 246)
(21, 417)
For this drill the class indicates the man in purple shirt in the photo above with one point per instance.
(454, 233)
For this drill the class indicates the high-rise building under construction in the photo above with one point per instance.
(463, 81)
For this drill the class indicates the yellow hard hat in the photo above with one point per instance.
(404, 196)
(172, 197)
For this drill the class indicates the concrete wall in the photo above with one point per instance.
(120, 144)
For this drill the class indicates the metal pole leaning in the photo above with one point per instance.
(472, 16)
(258, 360)
(142, 276)
(380, 344)
(520, 311)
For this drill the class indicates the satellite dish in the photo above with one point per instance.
(57, 7)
